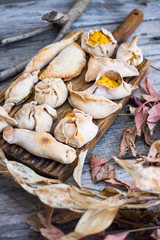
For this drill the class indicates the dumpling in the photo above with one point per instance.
(98, 107)
(46, 54)
(36, 117)
(20, 90)
(99, 43)
(76, 129)
(51, 91)
(40, 144)
(110, 84)
(130, 52)
(96, 65)
(68, 64)
(5, 119)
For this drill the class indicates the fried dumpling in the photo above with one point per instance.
(36, 117)
(130, 52)
(51, 91)
(98, 107)
(110, 84)
(40, 144)
(67, 64)
(96, 65)
(5, 119)
(20, 89)
(46, 54)
(76, 129)
(99, 43)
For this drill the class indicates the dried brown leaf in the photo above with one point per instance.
(78, 169)
(148, 88)
(128, 141)
(147, 138)
(141, 115)
(153, 117)
(100, 170)
(93, 221)
(51, 233)
(65, 217)
(35, 222)
(144, 178)
(154, 153)
(130, 185)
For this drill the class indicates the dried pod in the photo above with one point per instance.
(110, 84)
(130, 52)
(51, 91)
(99, 43)
(76, 129)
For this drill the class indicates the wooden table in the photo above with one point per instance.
(20, 16)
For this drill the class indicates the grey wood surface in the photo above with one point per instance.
(17, 17)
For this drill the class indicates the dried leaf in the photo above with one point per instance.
(130, 185)
(93, 221)
(144, 178)
(120, 236)
(141, 115)
(148, 88)
(128, 141)
(153, 117)
(156, 234)
(78, 169)
(147, 138)
(65, 217)
(153, 155)
(100, 170)
(51, 233)
(35, 222)
(136, 101)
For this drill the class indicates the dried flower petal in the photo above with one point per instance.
(141, 115)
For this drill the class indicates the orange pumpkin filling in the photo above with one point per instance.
(98, 38)
(108, 82)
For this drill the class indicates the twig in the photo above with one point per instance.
(26, 35)
(57, 18)
(155, 68)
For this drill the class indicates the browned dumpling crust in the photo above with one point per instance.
(99, 43)
(110, 85)
(47, 54)
(51, 91)
(36, 117)
(20, 90)
(67, 64)
(98, 107)
(130, 53)
(98, 64)
(40, 144)
(5, 119)
(76, 129)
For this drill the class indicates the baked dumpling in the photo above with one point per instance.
(76, 129)
(20, 89)
(98, 43)
(67, 64)
(5, 119)
(98, 107)
(110, 84)
(36, 117)
(40, 144)
(51, 91)
(130, 52)
(46, 54)
(96, 65)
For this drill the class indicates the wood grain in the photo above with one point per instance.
(52, 168)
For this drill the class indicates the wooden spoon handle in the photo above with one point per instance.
(127, 27)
